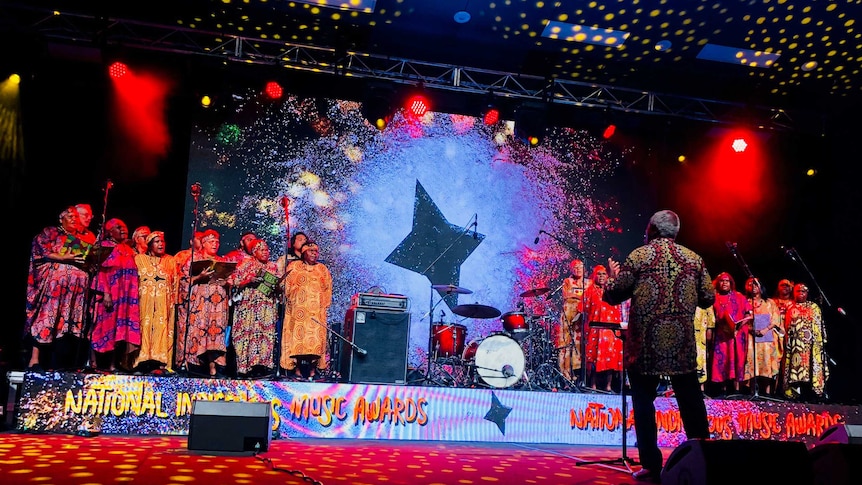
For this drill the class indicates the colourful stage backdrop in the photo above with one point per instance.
(441, 200)
(71, 403)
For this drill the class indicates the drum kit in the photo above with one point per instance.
(522, 355)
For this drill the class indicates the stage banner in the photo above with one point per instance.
(144, 405)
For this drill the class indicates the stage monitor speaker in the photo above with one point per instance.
(836, 453)
(230, 427)
(841, 433)
(383, 336)
(702, 462)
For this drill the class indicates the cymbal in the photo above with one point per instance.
(534, 292)
(452, 289)
(476, 311)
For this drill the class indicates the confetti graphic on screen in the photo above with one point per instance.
(352, 188)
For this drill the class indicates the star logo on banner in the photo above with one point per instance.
(434, 248)
(498, 413)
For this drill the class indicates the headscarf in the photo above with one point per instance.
(252, 246)
(153, 235)
(112, 223)
(67, 211)
(309, 245)
(209, 233)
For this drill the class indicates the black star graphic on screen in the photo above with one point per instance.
(498, 413)
(434, 247)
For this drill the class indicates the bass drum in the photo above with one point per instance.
(499, 361)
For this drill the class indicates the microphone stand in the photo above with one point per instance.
(824, 302)
(285, 203)
(196, 193)
(359, 350)
(90, 292)
(752, 334)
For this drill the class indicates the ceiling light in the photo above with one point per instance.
(585, 34)
(462, 16)
(735, 55)
(809, 66)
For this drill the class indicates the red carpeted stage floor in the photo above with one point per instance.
(165, 460)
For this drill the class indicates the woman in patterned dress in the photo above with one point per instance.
(116, 334)
(257, 281)
(202, 320)
(308, 295)
(568, 339)
(763, 359)
(56, 291)
(805, 370)
(157, 289)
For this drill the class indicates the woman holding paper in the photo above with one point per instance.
(257, 281)
(765, 347)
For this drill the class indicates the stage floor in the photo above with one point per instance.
(57, 458)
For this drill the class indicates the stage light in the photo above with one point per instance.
(609, 131)
(273, 90)
(206, 101)
(417, 105)
(14, 79)
(681, 159)
(491, 115)
(811, 172)
(118, 70)
(530, 122)
(377, 105)
(739, 145)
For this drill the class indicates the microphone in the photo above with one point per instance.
(731, 246)
(841, 311)
(536, 241)
(109, 185)
(476, 227)
(508, 371)
(196, 189)
(361, 351)
(788, 251)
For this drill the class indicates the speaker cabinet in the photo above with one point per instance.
(230, 426)
(841, 433)
(834, 454)
(383, 335)
(701, 462)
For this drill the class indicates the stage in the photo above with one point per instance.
(77, 403)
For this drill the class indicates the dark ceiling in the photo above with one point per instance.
(502, 46)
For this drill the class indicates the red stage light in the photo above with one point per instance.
(609, 131)
(117, 70)
(417, 106)
(273, 90)
(492, 116)
(739, 145)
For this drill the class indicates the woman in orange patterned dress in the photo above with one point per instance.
(308, 294)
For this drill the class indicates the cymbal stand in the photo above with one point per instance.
(623, 460)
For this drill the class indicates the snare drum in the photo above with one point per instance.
(447, 339)
(470, 350)
(516, 324)
(500, 361)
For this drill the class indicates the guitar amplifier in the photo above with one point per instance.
(379, 301)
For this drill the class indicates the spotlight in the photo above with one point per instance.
(117, 70)
(206, 101)
(273, 90)
(530, 122)
(377, 107)
(491, 115)
(609, 131)
(417, 105)
(739, 145)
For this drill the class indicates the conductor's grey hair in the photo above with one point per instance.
(664, 223)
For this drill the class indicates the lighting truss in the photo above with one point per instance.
(89, 30)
